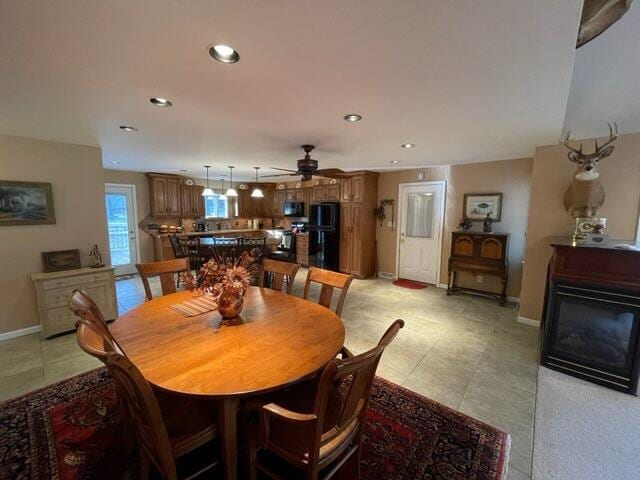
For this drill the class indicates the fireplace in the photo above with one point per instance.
(592, 315)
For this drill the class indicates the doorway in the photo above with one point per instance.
(419, 242)
(122, 225)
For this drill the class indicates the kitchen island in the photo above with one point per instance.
(162, 249)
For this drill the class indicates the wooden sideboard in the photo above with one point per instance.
(479, 253)
(53, 290)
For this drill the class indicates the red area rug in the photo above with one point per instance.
(409, 284)
(72, 430)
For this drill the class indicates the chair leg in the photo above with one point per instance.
(350, 470)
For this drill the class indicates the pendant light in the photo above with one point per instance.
(231, 192)
(222, 195)
(207, 192)
(257, 193)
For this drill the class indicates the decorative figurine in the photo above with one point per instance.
(95, 253)
(465, 223)
(488, 222)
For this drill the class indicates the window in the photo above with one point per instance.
(216, 206)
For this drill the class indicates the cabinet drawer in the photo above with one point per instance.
(73, 281)
(59, 320)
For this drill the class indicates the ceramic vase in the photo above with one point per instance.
(230, 303)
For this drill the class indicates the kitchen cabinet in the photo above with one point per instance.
(352, 189)
(164, 195)
(279, 198)
(326, 193)
(295, 195)
(302, 249)
(192, 201)
(359, 197)
(255, 207)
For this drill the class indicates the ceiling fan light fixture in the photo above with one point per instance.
(223, 53)
(352, 117)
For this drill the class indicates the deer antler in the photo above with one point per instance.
(613, 134)
(566, 144)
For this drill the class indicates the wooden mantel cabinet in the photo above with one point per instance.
(164, 195)
(359, 197)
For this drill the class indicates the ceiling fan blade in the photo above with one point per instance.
(284, 169)
(331, 172)
(280, 175)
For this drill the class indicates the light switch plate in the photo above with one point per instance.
(479, 278)
(390, 224)
(420, 175)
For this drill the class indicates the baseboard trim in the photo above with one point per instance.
(442, 285)
(528, 321)
(386, 275)
(20, 333)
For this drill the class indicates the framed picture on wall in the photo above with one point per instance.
(478, 205)
(60, 260)
(26, 203)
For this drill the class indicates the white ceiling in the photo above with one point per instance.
(606, 81)
(464, 80)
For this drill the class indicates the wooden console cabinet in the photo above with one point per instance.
(54, 289)
(481, 254)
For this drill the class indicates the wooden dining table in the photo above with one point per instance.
(277, 341)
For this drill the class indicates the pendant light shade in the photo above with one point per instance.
(207, 192)
(257, 193)
(231, 192)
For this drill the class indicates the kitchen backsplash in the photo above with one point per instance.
(151, 225)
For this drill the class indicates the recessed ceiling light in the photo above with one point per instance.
(408, 145)
(115, 163)
(223, 53)
(128, 128)
(353, 117)
(161, 102)
(394, 161)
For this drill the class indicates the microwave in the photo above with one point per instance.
(293, 209)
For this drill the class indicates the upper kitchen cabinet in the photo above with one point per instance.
(294, 195)
(164, 195)
(326, 193)
(192, 201)
(353, 188)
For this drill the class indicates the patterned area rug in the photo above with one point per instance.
(71, 430)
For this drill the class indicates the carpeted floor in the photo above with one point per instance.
(71, 430)
(584, 431)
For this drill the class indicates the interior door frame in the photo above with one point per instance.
(443, 183)
(134, 201)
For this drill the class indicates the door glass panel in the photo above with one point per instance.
(118, 225)
(420, 215)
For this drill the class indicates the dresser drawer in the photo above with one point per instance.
(74, 281)
(58, 320)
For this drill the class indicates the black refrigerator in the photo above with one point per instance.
(324, 236)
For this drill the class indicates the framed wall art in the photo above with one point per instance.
(478, 205)
(26, 203)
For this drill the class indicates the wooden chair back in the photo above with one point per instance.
(191, 249)
(329, 281)
(278, 273)
(139, 400)
(165, 270)
(175, 246)
(332, 432)
(83, 306)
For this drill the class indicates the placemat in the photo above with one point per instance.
(195, 306)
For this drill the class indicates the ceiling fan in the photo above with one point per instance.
(308, 167)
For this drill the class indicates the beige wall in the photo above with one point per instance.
(511, 177)
(76, 175)
(552, 175)
(138, 179)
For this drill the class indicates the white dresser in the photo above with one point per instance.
(53, 290)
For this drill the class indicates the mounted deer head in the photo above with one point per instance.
(587, 163)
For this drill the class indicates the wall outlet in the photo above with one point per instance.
(420, 175)
(390, 224)
(479, 279)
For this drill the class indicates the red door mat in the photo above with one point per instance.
(401, 282)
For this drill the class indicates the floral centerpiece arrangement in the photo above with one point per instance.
(226, 280)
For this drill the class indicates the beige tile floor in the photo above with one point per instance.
(466, 352)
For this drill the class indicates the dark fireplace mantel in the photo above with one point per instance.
(591, 321)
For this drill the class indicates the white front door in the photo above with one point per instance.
(421, 210)
(121, 223)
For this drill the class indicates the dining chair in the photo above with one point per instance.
(191, 249)
(166, 428)
(323, 438)
(165, 270)
(329, 280)
(278, 273)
